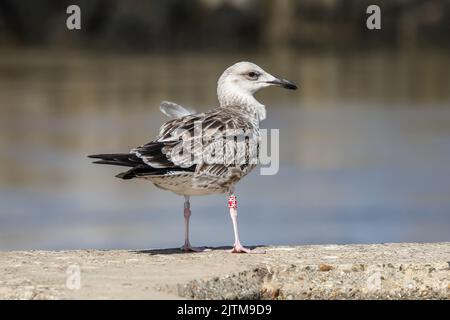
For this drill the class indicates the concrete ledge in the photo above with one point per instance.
(381, 271)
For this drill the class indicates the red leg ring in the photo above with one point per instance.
(232, 202)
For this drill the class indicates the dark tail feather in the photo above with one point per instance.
(127, 175)
(137, 171)
(114, 163)
(125, 160)
(118, 159)
(138, 167)
(112, 156)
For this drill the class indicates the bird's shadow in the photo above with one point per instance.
(170, 251)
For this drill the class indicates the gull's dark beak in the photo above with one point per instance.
(283, 83)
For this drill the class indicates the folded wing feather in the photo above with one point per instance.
(173, 110)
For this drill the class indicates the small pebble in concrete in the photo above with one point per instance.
(325, 267)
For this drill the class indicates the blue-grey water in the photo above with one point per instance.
(365, 150)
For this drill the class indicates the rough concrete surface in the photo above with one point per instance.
(379, 271)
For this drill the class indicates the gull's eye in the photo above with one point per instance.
(253, 75)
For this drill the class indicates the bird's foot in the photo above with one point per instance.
(238, 248)
(189, 248)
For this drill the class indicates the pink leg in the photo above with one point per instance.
(187, 214)
(237, 247)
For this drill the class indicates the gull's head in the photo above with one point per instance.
(241, 81)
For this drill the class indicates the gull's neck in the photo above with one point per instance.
(245, 102)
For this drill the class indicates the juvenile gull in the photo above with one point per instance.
(165, 161)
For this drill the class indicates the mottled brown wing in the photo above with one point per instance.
(183, 142)
(238, 139)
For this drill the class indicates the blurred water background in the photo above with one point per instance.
(365, 141)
